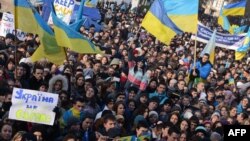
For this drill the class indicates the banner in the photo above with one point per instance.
(64, 10)
(8, 26)
(227, 41)
(33, 106)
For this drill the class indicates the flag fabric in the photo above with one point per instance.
(239, 30)
(232, 9)
(240, 55)
(56, 58)
(127, 138)
(242, 51)
(92, 13)
(246, 43)
(134, 138)
(24, 16)
(223, 21)
(209, 49)
(159, 24)
(78, 21)
(91, 3)
(183, 13)
(235, 9)
(28, 20)
(67, 37)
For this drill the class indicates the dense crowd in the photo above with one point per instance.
(138, 87)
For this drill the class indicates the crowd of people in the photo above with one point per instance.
(138, 88)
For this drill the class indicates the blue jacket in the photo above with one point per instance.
(204, 69)
(240, 109)
(162, 97)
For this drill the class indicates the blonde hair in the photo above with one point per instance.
(18, 135)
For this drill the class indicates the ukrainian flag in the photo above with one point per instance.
(235, 9)
(239, 30)
(241, 51)
(79, 21)
(159, 24)
(68, 37)
(183, 13)
(28, 20)
(223, 21)
(209, 49)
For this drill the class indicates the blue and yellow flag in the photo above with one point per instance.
(68, 37)
(242, 51)
(223, 21)
(235, 9)
(28, 20)
(238, 30)
(246, 43)
(183, 13)
(79, 20)
(209, 49)
(232, 9)
(159, 24)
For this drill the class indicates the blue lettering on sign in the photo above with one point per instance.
(31, 97)
(9, 19)
(66, 3)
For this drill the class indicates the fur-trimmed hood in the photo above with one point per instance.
(53, 80)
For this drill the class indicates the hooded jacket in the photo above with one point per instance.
(53, 80)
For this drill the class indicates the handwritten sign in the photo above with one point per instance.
(63, 9)
(33, 106)
(8, 26)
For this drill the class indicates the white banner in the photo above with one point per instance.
(64, 10)
(8, 26)
(227, 41)
(33, 106)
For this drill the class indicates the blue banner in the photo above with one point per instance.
(227, 41)
(92, 13)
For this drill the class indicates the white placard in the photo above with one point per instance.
(8, 26)
(63, 9)
(33, 106)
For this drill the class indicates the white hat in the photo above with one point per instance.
(151, 113)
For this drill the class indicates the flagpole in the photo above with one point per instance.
(15, 31)
(195, 47)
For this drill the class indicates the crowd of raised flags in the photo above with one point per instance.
(165, 20)
(170, 18)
